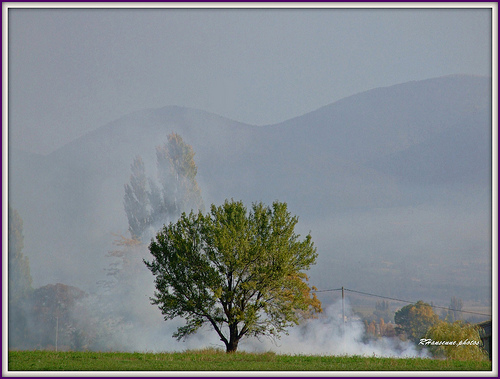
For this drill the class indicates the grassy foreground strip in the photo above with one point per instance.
(213, 360)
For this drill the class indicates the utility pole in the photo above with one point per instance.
(343, 312)
(57, 329)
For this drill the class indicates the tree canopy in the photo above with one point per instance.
(462, 341)
(415, 319)
(242, 272)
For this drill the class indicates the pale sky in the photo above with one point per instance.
(74, 70)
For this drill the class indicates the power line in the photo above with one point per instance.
(412, 302)
(401, 300)
(329, 290)
(383, 297)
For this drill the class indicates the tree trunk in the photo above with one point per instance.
(232, 345)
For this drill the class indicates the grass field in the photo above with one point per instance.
(213, 360)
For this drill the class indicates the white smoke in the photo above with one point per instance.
(120, 316)
(328, 335)
(124, 320)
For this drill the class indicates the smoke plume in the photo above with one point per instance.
(121, 318)
(328, 335)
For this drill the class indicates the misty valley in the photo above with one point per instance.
(392, 185)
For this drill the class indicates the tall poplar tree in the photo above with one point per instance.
(151, 203)
(136, 199)
(177, 177)
(20, 283)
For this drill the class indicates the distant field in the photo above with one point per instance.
(213, 360)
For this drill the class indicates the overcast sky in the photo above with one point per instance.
(74, 70)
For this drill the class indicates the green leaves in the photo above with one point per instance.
(235, 269)
(457, 341)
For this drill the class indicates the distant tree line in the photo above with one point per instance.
(419, 323)
(39, 318)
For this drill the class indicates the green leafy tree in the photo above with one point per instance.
(414, 320)
(240, 272)
(457, 340)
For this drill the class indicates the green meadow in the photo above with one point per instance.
(216, 360)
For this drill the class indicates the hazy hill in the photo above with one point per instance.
(399, 175)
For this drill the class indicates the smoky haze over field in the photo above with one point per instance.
(393, 183)
(392, 177)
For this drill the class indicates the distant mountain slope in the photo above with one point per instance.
(374, 150)
(458, 154)
(390, 119)
(375, 130)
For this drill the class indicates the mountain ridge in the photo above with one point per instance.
(385, 148)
